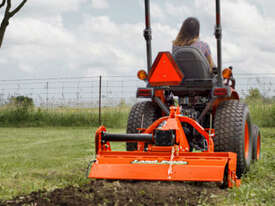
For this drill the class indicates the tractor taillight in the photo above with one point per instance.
(145, 92)
(142, 75)
(220, 92)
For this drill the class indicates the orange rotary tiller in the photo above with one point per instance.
(163, 153)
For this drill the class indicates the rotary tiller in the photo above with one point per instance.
(163, 153)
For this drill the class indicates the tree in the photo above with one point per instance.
(254, 94)
(21, 101)
(8, 13)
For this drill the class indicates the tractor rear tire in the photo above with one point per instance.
(256, 148)
(142, 115)
(233, 132)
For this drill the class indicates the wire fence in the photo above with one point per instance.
(89, 91)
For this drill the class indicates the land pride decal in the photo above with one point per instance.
(156, 162)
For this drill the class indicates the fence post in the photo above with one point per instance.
(99, 100)
(47, 93)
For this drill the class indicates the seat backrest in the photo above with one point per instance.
(192, 62)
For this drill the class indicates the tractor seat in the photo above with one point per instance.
(197, 80)
(192, 63)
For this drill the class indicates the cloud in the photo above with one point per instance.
(70, 38)
(177, 10)
(101, 24)
(55, 6)
(157, 11)
(100, 4)
(108, 45)
(35, 46)
(247, 33)
(251, 32)
(29, 31)
(26, 68)
(39, 47)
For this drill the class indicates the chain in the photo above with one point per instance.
(170, 170)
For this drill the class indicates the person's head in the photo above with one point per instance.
(189, 32)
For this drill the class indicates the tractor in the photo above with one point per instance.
(193, 126)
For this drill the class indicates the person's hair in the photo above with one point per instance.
(189, 32)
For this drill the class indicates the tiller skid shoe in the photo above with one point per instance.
(163, 153)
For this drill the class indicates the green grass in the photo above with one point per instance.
(258, 185)
(34, 159)
(263, 114)
(11, 116)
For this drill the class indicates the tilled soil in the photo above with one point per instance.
(102, 192)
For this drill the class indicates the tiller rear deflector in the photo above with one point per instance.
(168, 163)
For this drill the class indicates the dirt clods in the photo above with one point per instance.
(131, 193)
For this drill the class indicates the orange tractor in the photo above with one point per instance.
(193, 128)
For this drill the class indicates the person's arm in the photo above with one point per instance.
(211, 62)
(209, 57)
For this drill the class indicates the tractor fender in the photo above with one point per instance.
(218, 101)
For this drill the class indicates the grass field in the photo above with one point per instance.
(111, 117)
(34, 159)
(262, 113)
(258, 185)
(43, 158)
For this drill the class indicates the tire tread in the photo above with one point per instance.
(146, 110)
(229, 127)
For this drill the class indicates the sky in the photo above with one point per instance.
(68, 38)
